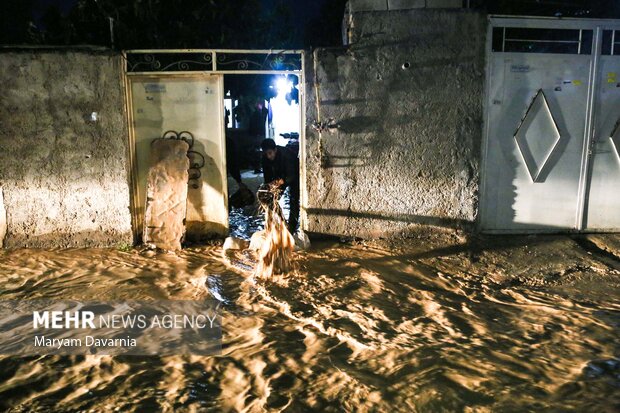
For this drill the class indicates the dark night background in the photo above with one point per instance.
(260, 24)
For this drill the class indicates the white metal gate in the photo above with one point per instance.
(550, 154)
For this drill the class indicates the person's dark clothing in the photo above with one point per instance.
(285, 166)
(256, 130)
(257, 122)
(293, 205)
(232, 160)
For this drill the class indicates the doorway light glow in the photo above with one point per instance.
(283, 85)
(286, 116)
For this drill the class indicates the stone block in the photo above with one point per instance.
(166, 194)
(406, 4)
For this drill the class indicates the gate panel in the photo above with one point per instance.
(603, 203)
(184, 103)
(561, 169)
(536, 113)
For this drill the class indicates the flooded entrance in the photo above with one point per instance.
(258, 107)
(435, 323)
(226, 102)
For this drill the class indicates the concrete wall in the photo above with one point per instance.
(63, 175)
(406, 97)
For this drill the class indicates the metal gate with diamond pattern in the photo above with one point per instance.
(552, 134)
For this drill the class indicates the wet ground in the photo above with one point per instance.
(430, 324)
(243, 222)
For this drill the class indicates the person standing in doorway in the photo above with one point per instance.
(257, 128)
(233, 166)
(281, 170)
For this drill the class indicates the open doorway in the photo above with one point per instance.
(259, 107)
(181, 91)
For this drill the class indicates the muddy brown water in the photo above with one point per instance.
(418, 326)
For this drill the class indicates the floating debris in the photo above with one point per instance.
(275, 253)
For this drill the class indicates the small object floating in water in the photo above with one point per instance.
(257, 240)
(234, 243)
(302, 242)
(300, 238)
(149, 253)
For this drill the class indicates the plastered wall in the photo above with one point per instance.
(400, 113)
(63, 149)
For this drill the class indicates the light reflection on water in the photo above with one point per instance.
(356, 328)
(243, 222)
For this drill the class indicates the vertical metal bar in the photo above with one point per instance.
(223, 149)
(580, 40)
(483, 205)
(111, 22)
(132, 156)
(504, 39)
(613, 40)
(584, 173)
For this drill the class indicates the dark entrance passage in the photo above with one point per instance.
(260, 100)
(257, 107)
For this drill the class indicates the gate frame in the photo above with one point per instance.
(126, 81)
(543, 22)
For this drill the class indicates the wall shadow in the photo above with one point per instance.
(406, 218)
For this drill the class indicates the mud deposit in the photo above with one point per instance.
(431, 324)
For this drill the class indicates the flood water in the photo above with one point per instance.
(418, 326)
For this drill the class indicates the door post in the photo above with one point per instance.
(585, 172)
